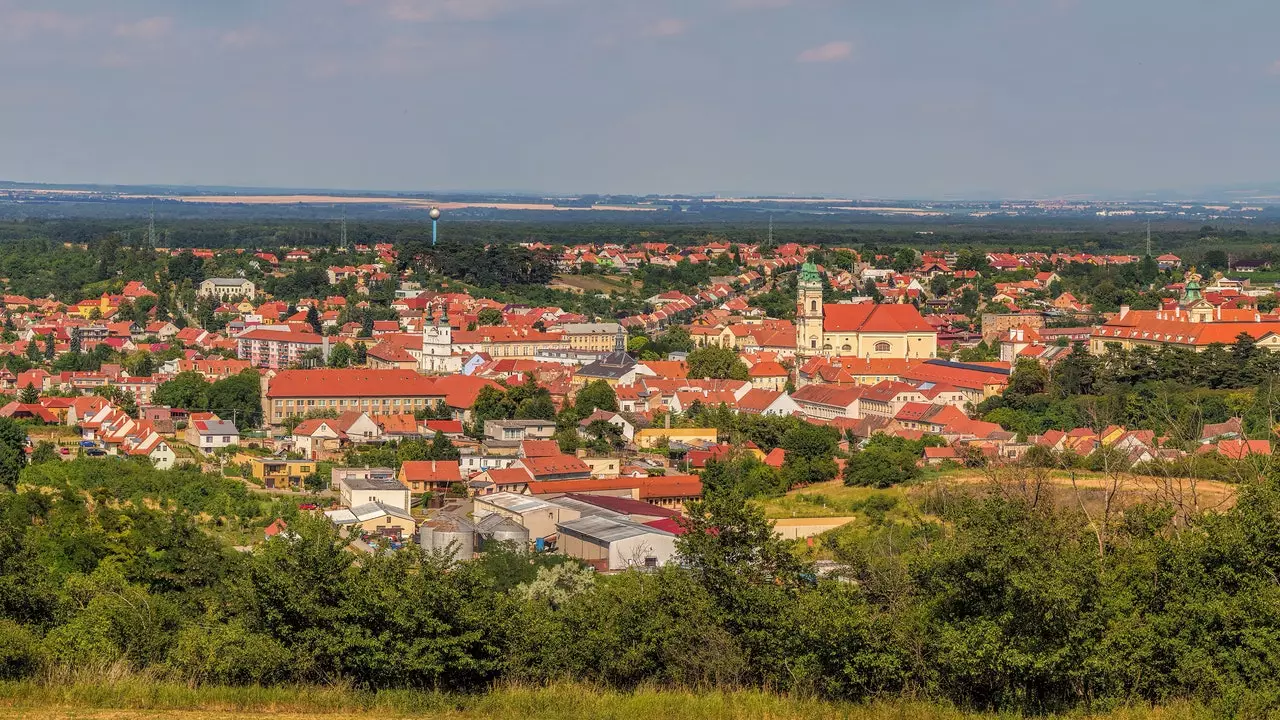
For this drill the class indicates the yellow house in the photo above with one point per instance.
(86, 308)
(277, 472)
(650, 438)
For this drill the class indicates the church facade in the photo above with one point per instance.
(438, 355)
(864, 330)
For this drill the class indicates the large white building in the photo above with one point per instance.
(864, 330)
(227, 288)
(438, 354)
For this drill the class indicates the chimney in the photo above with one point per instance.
(1177, 311)
(1218, 311)
(1124, 310)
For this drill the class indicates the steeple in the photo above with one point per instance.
(1191, 292)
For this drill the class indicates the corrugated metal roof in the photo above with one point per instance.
(603, 530)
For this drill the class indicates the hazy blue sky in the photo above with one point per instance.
(871, 99)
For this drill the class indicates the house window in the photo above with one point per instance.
(882, 347)
(813, 306)
(813, 343)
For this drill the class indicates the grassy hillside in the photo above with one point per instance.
(139, 699)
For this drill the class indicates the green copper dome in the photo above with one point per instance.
(809, 273)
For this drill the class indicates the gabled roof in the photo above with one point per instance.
(873, 318)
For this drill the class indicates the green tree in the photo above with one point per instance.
(341, 355)
(29, 394)
(360, 355)
(44, 452)
(595, 395)
(442, 448)
(239, 396)
(717, 362)
(13, 456)
(489, 317)
(186, 390)
(313, 319)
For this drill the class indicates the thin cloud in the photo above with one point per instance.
(22, 23)
(459, 10)
(244, 37)
(146, 29)
(759, 4)
(830, 52)
(1274, 68)
(667, 27)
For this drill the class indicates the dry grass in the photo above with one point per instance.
(141, 699)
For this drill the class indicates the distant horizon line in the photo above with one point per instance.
(1268, 194)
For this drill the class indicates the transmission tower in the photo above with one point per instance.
(1148, 237)
(151, 228)
(344, 228)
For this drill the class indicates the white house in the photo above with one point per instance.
(213, 433)
(376, 486)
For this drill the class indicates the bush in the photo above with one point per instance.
(20, 652)
(229, 655)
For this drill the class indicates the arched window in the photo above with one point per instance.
(846, 347)
(813, 306)
(883, 347)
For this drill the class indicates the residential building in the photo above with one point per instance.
(211, 433)
(277, 346)
(825, 402)
(277, 472)
(359, 486)
(226, 288)
(651, 438)
(595, 337)
(294, 393)
(374, 518)
(430, 476)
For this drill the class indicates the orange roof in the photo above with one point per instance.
(768, 368)
(555, 465)
(874, 317)
(676, 369)
(350, 383)
(430, 471)
(540, 448)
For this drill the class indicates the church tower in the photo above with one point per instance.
(809, 340)
(437, 344)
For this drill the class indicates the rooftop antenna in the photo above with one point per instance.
(151, 227)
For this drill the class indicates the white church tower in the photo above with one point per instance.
(437, 346)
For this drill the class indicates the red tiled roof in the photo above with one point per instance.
(873, 317)
(555, 465)
(431, 471)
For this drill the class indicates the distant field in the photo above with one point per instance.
(132, 700)
(834, 499)
(593, 283)
(422, 203)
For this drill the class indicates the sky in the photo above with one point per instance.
(853, 98)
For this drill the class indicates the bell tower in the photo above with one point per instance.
(809, 310)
